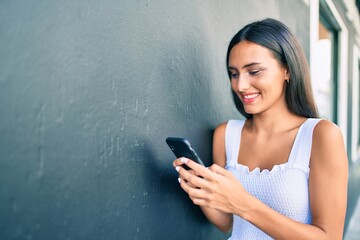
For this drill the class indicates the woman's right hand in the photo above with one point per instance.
(195, 182)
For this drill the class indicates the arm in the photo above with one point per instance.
(221, 220)
(328, 179)
(218, 189)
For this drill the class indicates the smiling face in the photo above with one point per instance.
(257, 78)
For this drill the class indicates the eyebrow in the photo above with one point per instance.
(245, 66)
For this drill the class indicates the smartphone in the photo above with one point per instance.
(181, 147)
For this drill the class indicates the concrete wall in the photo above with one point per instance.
(89, 90)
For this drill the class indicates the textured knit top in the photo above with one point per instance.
(284, 188)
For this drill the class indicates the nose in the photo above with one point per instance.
(243, 83)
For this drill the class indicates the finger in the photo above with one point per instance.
(193, 179)
(184, 185)
(192, 172)
(200, 202)
(219, 170)
(178, 162)
(193, 192)
(199, 169)
(181, 162)
(179, 167)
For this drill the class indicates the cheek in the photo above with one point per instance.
(272, 81)
(276, 87)
(233, 84)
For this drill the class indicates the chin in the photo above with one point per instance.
(251, 111)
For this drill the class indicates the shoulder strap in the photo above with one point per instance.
(232, 140)
(300, 153)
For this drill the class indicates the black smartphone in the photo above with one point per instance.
(181, 147)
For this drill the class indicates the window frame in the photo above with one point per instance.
(355, 141)
(342, 58)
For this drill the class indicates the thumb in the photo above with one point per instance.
(219, 170)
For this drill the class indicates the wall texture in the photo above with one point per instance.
(89, 90)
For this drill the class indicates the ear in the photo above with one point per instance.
(286, 74)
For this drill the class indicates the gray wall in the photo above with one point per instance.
(89, 90)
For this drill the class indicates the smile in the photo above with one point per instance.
(248, 98)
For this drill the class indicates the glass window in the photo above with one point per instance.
(325, 74)
(358, 140)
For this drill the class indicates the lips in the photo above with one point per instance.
(250, 97)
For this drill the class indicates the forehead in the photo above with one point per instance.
(246, 52)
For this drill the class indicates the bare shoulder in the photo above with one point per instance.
(327, 132)
(328, 145)
(219, 152)
(220, 129)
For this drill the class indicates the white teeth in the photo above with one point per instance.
(251, 96)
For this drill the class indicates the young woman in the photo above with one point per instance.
(281, 173)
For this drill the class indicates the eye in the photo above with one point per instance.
(254, 72)
(234, 75)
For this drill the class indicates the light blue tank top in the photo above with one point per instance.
(284, 188)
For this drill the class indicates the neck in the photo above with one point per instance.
(275, 123)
